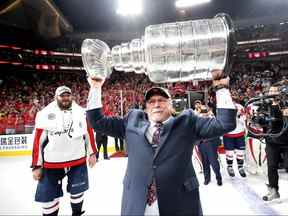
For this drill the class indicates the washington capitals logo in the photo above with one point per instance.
(69, 131)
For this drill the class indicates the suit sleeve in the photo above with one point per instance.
(110, 126)
(225, 120)
(90, 141)
(40, 137)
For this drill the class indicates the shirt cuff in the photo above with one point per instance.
(94, 99)
(224, 99)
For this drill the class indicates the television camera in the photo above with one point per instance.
(259, 118)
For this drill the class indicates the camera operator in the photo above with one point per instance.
(275, 145)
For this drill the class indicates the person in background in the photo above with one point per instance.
(10, 124)
(275, 146)
(117, 147)
(19, 124)
(62, 141)
(30, 114)
(102, 140)
(234, 141)
(3, 121)
(197, 106)
(208, 149)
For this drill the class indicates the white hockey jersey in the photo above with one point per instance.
(62, 137)
(240, 123)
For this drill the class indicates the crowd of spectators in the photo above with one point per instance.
(23, 95)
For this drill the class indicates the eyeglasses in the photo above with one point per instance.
(160, 101)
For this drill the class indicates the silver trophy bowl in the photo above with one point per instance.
(170, 52)
(96, 58)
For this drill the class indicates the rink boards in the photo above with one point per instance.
(22, 144)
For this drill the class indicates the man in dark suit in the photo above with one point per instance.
(160, 178)
(208, 149)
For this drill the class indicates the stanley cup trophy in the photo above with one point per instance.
(170, 52)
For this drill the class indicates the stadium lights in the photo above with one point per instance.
(189, 3)
(129, 7)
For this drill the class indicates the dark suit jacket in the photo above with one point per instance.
(171, 164)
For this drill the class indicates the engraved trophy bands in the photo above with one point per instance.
(169, 52)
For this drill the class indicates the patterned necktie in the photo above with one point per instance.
(151, 196)
(156, 135)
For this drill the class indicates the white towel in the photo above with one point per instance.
(51, 118)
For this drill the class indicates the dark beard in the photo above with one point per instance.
(64, 107)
